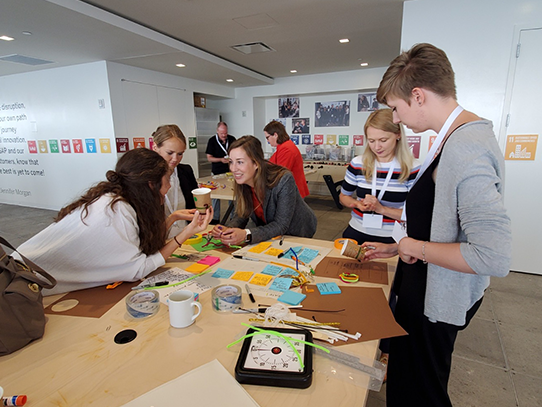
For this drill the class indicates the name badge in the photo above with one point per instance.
(399, 231)
(373, 221)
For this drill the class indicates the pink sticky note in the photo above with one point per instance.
(209, 260)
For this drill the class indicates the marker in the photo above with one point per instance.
(14, 400)
(249, 293)
(158, 284)
(238, 256)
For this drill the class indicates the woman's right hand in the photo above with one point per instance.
(376, 250)
(200, 222)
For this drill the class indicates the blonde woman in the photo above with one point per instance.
(380, 178)
(170, 143)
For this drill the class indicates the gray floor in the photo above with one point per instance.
(498, 358)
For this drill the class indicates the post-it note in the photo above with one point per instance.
(272, 270)
(197, 268)
(261, 279)
(242, 275)
(281, 284)
(292, 297)
(222, 273)
(328, 288)
(261, 247)
(209, 260)
(273, 252)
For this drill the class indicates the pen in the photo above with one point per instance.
(238, 256)
(249, 293)
(158, 284)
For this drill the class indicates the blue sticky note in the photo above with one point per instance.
(222, 273)
(272, 270)
(281, 284)
(308, 255)
(292, 297)
(297, 249)
(328, 288)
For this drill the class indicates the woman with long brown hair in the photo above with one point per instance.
(116, 231)
(265, 193)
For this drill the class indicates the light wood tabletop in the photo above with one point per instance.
(77, 362)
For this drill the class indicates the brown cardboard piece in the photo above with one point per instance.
(92, 302)
(366, 311)
(369, 271)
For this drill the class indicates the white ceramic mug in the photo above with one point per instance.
(181, 308)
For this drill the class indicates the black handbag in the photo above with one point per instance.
(22, 318)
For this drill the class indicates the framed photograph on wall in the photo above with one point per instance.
(301, 126)
(332, 114)
(367, 102)
(288, 107)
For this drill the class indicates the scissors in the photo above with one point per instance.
(209, 239)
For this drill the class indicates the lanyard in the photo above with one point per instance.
(220, 144)
(175, 186)
(436, 145)
(386, 182)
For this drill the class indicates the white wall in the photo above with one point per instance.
(142, 100)
(59, 104)
(244, 113)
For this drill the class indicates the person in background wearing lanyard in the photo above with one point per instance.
(380, 178)
(265, 193)
(287, 154)
(170, 143)
(458, 233)
(217, 155)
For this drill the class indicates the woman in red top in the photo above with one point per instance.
(287, 154)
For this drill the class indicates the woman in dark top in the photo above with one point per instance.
(170, 143)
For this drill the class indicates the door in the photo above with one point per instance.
(523, 192)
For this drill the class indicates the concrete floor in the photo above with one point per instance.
(498, 358)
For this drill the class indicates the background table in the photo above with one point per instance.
(77, 363)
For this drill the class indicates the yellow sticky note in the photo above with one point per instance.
(242, 275)
(197, 268)
(274, 252)
(259, 248)
(261, 279)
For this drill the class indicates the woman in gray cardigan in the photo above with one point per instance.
(267, 194)
(458, 233)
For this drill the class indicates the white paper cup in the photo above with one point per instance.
(181, 308)
(202, 199)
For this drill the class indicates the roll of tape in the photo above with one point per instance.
(194, 239)
(226, 297)
(143, 304)
(340, 242)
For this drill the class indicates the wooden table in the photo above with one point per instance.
(77, 363)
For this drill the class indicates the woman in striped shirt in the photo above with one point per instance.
(380, 179)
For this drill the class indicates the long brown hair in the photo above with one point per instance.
(137, 180)
(383, 120)
(267, 175)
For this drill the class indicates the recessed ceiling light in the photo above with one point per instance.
(293, 71)
(6, 38)
(344, 40)
(180, 65)
(364, 64)
(229, 80)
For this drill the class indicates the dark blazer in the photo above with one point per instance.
(188, 183)
(285, 211)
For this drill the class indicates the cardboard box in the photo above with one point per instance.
(200, 101)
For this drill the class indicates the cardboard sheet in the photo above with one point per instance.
(366, 311)
(92, 302)
(369, 272)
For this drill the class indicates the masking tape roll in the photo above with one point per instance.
(194, 239)
(340, 242)
(143, 304)
(226, 297)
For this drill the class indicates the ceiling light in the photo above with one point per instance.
(6, 38)
(229, 80)
(293, 71)
(27, 33)
(364, 64)
(344, 40)
(180, 65)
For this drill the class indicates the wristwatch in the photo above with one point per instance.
(248, 237)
